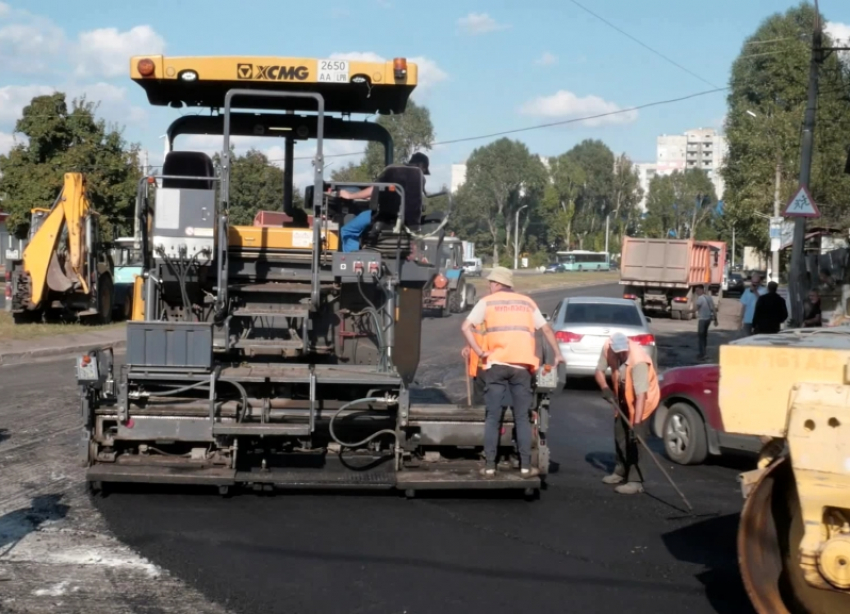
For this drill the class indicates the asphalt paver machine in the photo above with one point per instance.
(266, 355)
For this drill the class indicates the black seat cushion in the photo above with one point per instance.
(188, 164)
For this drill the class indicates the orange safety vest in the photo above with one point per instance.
(473, 360)
(637, 355)
(509, 327)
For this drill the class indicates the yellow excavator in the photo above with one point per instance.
(792, 389)
(65, 272)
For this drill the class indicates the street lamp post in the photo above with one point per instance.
(516, 237)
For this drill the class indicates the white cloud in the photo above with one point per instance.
(13, 99)
(566, 105)
(7, 141)
(840, 35)
(430, 73)
(838, 32)
(114, 104)
(547, 59)
(29, 44)
(480, 23)
(5, 9)
(106, 52)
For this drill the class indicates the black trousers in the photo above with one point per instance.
(500, 381)
(628, 449)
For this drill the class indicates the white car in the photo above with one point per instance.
(582, 324)
(472, 267)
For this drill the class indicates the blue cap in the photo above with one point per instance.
(619, 342)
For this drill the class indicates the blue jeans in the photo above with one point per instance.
(350, 233)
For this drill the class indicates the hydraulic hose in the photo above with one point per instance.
(370, 437)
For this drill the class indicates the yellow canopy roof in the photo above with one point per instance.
(347, 86)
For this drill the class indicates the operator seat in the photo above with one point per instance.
(188, 164)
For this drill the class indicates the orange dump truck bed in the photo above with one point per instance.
(668, 263)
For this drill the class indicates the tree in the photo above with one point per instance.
(766, 106)
(411, 131)
(567, 179)
(679, 204)
(255, 185)
(594, 201)
(62, 140)
(626, 194)
(501, 178)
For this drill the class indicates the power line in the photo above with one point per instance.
(642, 44)
(537, 126)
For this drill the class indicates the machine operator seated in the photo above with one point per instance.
(388, 203)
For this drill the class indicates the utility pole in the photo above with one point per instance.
(776, 214)
(516, 237)
(733, 247)
(797, 286)
(607, 255)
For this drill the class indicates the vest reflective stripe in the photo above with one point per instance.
(637, 355)
(500, 329)
(509, 322)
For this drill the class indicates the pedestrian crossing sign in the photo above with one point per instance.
(801, 205)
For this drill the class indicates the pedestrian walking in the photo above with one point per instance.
(637, 394)
(510, 320)
(706, 314)
(770, 312)
(749, 297)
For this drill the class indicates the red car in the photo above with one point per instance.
(688, 419)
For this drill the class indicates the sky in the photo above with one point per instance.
(484, 67)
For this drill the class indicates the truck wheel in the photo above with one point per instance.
(684, 435)
(454, 300)
(105, 299)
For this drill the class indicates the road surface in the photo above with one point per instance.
(581, 547)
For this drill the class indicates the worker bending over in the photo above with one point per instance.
(637, 394)
(510, 321)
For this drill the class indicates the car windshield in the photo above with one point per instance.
(595, 313)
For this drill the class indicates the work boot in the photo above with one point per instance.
(612, 479)
(632, 488)
(532, 472)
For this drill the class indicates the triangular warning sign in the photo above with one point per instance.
(801, 205)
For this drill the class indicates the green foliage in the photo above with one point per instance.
(411, 131)
(683, 203)
(770, 79)
(501, 179)
(62, 140)
(255, 185)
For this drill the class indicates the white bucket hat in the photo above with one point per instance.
(502, 275)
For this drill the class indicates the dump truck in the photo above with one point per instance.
(66, 271)
(661, 274)
(266, 356)
(718, 267)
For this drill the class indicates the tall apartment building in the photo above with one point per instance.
(702, 148)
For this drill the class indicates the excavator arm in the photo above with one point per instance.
(41, 258)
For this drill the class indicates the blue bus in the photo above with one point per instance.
(581, 260)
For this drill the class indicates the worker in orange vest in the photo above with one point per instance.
(510, 320)
(636, 392)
